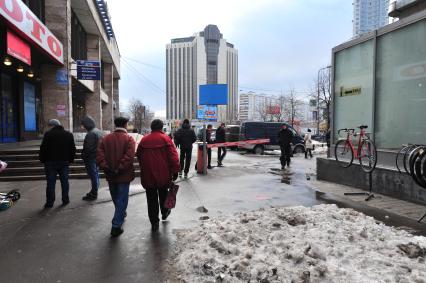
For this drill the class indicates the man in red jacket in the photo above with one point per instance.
(159, 163)
(115, 157)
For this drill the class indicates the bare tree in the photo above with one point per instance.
(261, 108)
(282, 103)
(293, 109)
(322, 94)
(141, 116)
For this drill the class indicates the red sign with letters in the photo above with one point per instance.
(18, 48)
(20, 17)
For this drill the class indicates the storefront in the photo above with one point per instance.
(25, 44)
(380, 81)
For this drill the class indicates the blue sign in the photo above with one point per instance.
(214, 94)
(207, 113)
(88, 70)
(29, 107)
(62, 77)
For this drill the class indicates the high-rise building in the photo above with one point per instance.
(205, 58)
(369, 15)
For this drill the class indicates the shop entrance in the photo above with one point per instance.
(8, 112)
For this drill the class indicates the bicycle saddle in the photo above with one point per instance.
(363, 127)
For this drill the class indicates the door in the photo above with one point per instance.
(8, 114)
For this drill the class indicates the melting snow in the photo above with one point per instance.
(318, 244)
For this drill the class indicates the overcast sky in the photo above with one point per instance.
(281, 43)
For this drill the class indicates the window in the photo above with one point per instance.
(212, 63)
(78, 39)
(37, 7)
(102, 75)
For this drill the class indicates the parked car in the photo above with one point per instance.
(232, 134)
(318, 137)
(268, 130)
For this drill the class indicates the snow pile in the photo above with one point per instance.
(299, 244)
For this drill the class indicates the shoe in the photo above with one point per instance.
(180, 174)
(185, 175)
(46, 205)
(90, 197)
(155, 227)
(209, 167)
(115, 232)
(164, 217)
(219, 164)
(65, 203)
(282, 167)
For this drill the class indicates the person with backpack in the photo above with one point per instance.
(88, 154)
(57, 151)
(184, 139)
(159, 164)
(309, 146)
(116, 153)
(285, 138)
(220, 138)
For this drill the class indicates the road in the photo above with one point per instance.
(73, 244)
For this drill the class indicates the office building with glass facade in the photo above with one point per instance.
(369, 15)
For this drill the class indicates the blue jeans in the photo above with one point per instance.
(52, 169)
(120, 197)
(93, 172)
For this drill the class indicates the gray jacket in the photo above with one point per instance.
(92, 139)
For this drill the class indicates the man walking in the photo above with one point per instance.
(220, 138)
(184, 138)
(115, 157)
(159, 163)
(57, 151)
(285, 138)
(88, 154)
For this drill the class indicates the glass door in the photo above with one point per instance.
(8, 114)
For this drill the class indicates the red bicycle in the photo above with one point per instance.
(366, 152)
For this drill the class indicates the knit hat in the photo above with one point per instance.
(54, 122)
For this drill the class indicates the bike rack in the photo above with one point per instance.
(370, 194)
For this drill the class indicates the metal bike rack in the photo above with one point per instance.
(370, 194)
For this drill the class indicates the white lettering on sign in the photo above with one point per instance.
(21, 17)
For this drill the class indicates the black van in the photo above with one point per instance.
(268, 130)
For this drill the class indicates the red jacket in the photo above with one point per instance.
(116, 152)
(158, 159)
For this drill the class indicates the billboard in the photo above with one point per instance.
(207, 113)
(213, 94)
(273, 110)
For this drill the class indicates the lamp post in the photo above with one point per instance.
(318, 98)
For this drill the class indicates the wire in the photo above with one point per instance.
(144, 63)
(137, 72)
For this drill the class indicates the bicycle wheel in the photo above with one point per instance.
(411, 159)
(400, 158)
(416, 165)
(343, 153)
(368, 156)
(419, 167)
(406, 159)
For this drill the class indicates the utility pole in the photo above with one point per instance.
(318, 98)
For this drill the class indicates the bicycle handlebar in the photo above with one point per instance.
(345, 130)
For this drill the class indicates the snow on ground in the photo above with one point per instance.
(318, 244)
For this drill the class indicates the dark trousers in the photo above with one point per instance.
(185, 159)
(308, 150)
(285, 155)
(93, 172)
(221, 153)
(120, 197)
(209, 157)
(156, 199)
(52, 169)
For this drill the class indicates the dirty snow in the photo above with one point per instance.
(318, 244)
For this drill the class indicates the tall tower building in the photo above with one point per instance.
(369, 15)
(205, 58)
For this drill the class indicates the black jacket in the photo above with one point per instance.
(57, 145)
(285, 137)
(185, 136)
(220, 135)
(92, 139)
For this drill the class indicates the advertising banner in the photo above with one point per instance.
(207, 113)
(214, 94)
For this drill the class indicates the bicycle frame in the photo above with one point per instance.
(362, 135)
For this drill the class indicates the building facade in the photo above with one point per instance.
(404, 8)
(369, 15)
(40, 43)
(205, 58)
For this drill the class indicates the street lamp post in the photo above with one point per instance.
(318, 98)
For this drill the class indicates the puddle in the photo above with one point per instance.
(286, 180)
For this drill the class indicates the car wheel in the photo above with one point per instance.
(299, 149)
(258, 150)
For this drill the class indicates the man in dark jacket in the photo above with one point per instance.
(220, 138)
(285, 138)
(184, 138)
(159, 163)
(88, 154)
(57, 151)
(116, 153)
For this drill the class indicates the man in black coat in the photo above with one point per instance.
(57, 151)
(184, 138)
(220, 138)
(285, 138)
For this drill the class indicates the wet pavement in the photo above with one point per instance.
(72, 244)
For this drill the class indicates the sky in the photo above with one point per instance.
(281, 43)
